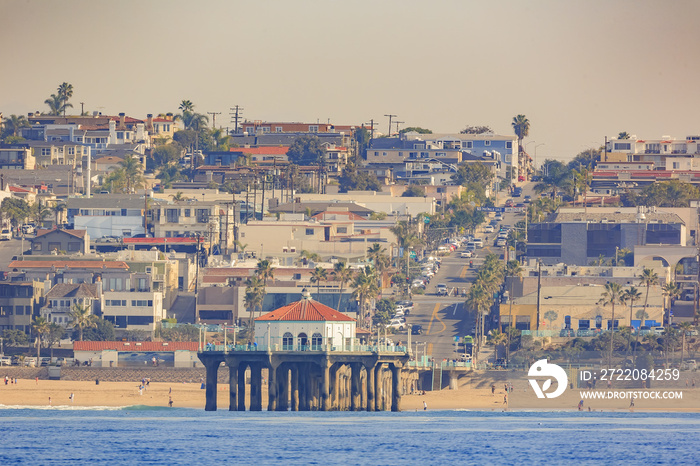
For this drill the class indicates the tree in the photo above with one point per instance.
(685, 328)
(671, 193)
(103, 331)
(413, 190)
(166, 154)
(264, 270)
(586, 159)
(343, 274)
(14, 338)
(306, 150)
(623, 135)
(551, 316)
(513, 270)
(181, 333)
(38, 213)
(385, 310)
(57, 209)
(317, 276)
(351, 179)
(365, 288)
(81, 317)
(415, 129)
(54, 335)
(17, 210)
(476, 129)
(521, 127)
(612, 294)
(631, 295)
(41, 327)
(472, 173)
(55, 105)
(65, 92)
(13, 124)
(478, 299)
(647, 278)
(254, 296)
(133, 171)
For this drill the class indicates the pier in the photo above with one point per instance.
(317, 379)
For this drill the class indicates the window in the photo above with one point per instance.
(287, 341)
(313, 129)
(309, 232)
(279, 129)
(487, 143)
(342, 230)
(400, 154)
(466, 144)
(45, 151)
(74, 246)
(509, 144)
(625, 146)
(140, 320)
(584, 324)
(316, 341)
(141, 303)
(187, 212)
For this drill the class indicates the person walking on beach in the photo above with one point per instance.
(493, 390)
(49, 401)
(580, 405)
(505, 399)
(71, 397)
(425, 406)
(632, 402)
(170, 401)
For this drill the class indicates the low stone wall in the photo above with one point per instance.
(116, 374)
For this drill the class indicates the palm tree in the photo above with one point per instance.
(132, 170)
(65, 92)
(376, 253)
(39, 213)
(14, 123)
(264, 270)
(497, 337)
(186, 106)
(671, 290)
(521, 127)
(478, 299)
(343, 274)
(631, 295)
(513, 270)
(317, 276)
(254, 296)
(648, 278)
(365, 287)
(82, 317)
(310, 256)
(41, 326)
(57, 209)
(55, 105)
(179, 197)
(612, 294)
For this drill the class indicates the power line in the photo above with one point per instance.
(235, 116)
(213, 120)
(390, 117)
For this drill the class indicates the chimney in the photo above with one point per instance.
(122, 120)
(149, 122)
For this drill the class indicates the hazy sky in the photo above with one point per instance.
(578, 70)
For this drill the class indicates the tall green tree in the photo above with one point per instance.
(521, 128)
(81, 317)
(65, 92)
(13, 124)
(55, 105)
(365, 288)
(317, 276)
(612, 294)
(306, 150)
(631, 295)
(17, 210)
(41, 327)
(478, 129)
(343, 274)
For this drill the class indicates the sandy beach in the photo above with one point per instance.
(190, 395)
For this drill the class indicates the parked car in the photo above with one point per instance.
(442, 289)
(489, 229)
(416, 329)
(498, 217)
(407, 305)
(500, 242)
(466, 254)
(479, 242)
(5, 361)
(396, 324)
(45, 361)
(28, 229)
(5, 234)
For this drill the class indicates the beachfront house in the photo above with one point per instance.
(305, 325)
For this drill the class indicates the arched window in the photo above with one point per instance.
(316, 341)
(303, 340)
(287, 342)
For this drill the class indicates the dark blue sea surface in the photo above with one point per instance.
(141, 435)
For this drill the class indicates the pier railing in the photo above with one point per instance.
(306, 348)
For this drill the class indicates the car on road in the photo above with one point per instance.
(5, 361)
(416, 329)
(527, 199)
(5, 234)
(498, 217)
(441, 289)
(396, 324)
(28, 229)
(479, 242)
(489, 229)
(509, 203)
(418, 283)
(500, 242)
(466, 254)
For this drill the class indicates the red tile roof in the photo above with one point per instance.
(305, 310)
(135, 345)
(17, 189)
(59, 264)
(161, 240)
(271, 150)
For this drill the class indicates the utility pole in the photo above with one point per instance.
(390, 117)
(82, 108)
(235, 115)
(213, 118)
(397, 125)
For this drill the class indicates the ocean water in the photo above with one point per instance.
(140, 435)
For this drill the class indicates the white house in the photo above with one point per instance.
(305, 325)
